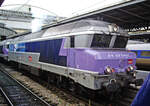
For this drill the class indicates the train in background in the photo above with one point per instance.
(85, 55)
(142, 51)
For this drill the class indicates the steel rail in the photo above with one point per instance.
(6, 97)
(19, 84)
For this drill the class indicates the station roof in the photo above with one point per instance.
(132, 14)
(143, 35)
(4, 31)
(129, 15)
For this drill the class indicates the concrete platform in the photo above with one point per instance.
(142, 74)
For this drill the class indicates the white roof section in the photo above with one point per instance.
(131, 42)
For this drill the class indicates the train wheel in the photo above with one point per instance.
(72, 86)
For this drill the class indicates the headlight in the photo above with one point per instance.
(109, 70)
(113, 28)
(130, 68)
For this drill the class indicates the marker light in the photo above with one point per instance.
(128, 69)
(113, 70)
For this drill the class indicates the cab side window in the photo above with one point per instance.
(72, 42)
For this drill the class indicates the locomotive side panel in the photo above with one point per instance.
(49, 51)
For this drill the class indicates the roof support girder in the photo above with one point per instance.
(133, 14)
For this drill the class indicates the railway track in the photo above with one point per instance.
(17, 94)
(124, 100)
(4, 100)
(127, 97)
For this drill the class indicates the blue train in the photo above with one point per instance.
(88, 55)
(142, 51)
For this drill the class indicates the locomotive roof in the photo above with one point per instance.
(81, 27)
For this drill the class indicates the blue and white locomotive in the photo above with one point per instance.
(86, 53)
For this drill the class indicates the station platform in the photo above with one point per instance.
(142, 74)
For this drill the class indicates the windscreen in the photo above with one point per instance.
(120, 42)
(101, 41)
(1, 49)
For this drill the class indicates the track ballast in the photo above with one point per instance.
(17, 93)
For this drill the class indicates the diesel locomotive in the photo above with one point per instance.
(87, 53)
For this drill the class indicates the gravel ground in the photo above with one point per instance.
(52, 95)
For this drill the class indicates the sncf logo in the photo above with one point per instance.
(130, 61)
(30, 58)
